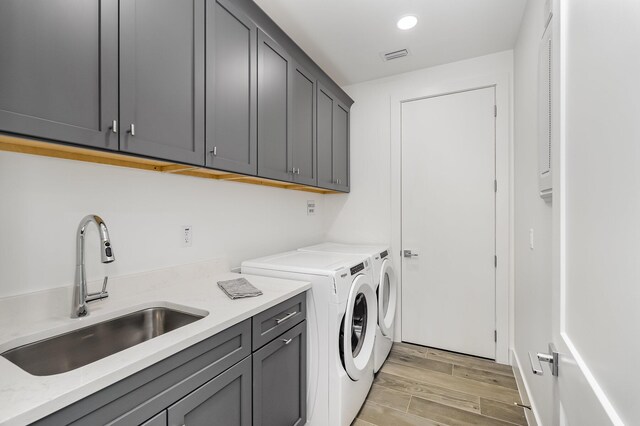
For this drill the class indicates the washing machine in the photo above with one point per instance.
(386, 284)
(341, 321)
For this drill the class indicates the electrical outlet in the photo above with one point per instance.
(311, 207)
(187, 236)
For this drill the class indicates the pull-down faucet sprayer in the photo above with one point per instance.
(80, 295)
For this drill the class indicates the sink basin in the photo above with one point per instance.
(80, 347)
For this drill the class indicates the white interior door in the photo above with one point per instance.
(595, 245)
(448, 222)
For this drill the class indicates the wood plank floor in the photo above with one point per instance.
(425, 386)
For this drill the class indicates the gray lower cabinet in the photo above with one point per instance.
(280, 380)
(59, 72)
(157, 420)
(231, 92)
(274, 104)
(162, 79)
(333, 141)
(303, 130)
(137, 398)
(216, 382)
(223, 401)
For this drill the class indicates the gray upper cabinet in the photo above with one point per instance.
(162, 79)
(274, 110)
(231, 97)
(341, 146)
(324, 125)
(59, 72)
(223, 401)
(280, 380)
(333, 141)
(303, 134)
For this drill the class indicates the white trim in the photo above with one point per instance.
(504, 196)
(533, 418)
(593, 383)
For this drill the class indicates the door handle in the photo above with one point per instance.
(551, 358)
(407, 253)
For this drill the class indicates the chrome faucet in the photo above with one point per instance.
(80, 295)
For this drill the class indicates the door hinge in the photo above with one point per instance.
(495, 110)
(495, 261)
(495, 186)
(495, 336)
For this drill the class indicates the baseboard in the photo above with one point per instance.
(523, 388)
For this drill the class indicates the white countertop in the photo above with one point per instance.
(191, 288)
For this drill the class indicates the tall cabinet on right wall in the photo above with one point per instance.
(333, 141)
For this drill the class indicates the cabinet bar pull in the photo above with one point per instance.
(114, 126)
(289, 315)
(132, 129)
(287, 341)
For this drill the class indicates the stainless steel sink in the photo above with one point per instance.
(80, 347)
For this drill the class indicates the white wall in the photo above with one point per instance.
(43, 199)
(365, 215)
(533, 307)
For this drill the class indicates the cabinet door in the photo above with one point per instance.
(324, 126)
(223, 401)
(280, 380)
(162, 79)
(231, 78)
(274, 102)
(341, 146)
(157, 420)
(59, 72)
(303, 137)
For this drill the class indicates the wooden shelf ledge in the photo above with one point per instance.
(68, 152)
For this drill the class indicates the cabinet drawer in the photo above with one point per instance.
(274, 321)
(136, 398)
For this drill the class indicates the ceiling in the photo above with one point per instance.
(346, 37)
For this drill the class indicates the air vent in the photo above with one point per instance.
(395, 54)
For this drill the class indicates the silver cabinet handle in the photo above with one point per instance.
(286, 317)
(407, 253)
(132, 129)
(214, 151)
(298, 171)
(287, 341)
(114, 126)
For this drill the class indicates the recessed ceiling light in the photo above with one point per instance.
(407, 22)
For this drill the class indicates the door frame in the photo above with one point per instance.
(504, 161)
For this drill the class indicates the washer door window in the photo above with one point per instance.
(387, 298)
(357, 331)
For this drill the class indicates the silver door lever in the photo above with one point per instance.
(551, 358)
(407, 253)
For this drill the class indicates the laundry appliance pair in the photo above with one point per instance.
(351, 309)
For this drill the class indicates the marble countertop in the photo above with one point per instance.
(25, 398)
